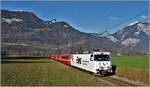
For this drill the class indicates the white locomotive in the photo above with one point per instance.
(99, 63)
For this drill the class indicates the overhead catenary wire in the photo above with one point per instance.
(124, 21)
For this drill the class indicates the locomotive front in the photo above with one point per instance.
(103, 63)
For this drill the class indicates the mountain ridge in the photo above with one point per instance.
(134, 36)
(37, 37)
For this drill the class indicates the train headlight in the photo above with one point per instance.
(97, 69)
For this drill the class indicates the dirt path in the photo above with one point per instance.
(118, 81)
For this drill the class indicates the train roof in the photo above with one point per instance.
(97, 52)
(105, 53)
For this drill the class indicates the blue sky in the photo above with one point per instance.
(86, 16)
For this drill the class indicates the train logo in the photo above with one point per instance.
(78, 60)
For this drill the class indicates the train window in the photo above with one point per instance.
(102, 57)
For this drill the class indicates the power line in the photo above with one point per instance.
(127, 20)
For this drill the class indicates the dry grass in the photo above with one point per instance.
(132, 67)
(136, 74)
(42, 72)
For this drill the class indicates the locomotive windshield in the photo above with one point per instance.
(101, 57)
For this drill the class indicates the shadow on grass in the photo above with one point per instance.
(5, 62)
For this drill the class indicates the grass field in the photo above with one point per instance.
(131, 61)
(23, 71)
(43, 72)
(132, 67)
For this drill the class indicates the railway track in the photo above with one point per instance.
(117, 81)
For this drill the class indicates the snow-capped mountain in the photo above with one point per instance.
(134, 36)
(9, 21)
(133, 23)
(103, 34)
(107, 35)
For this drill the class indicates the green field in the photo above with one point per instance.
(132, 67)
(23, 71)
(131, 61)
(43, 72)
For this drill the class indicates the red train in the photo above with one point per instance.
(95, 62)
(65, 58)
